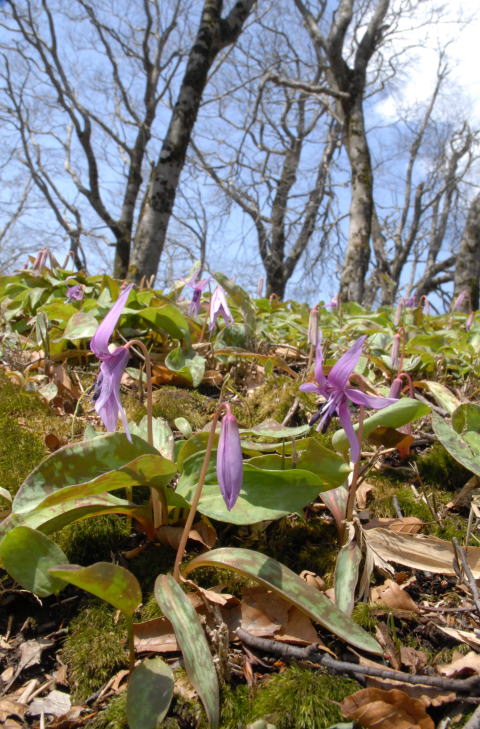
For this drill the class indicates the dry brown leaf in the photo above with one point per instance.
(418, 551)
(262, 612)
(314, 580)
(413, 659)
(201, 533)
(463, 636)
(428, 695)
(379, 709)
(299, 629)
(53, 442)
(405, 525)
(362, 494)
(154, 636)
(56, 703)
(8, 707)
(462, 666)
(463, 499)
(393, 596)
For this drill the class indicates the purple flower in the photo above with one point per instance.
(336, 392)
(333, 303)
(107, 387)
(459, 301)
(197, 286)
(219, 307)
(75, 293)
(229, 459)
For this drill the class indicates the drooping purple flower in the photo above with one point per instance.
(333, 303)
(336, 392)
(459, 301)
(197, 285)
(219, 307)
(75, 293)
(107, 387)
(469, 322)
(229, 459)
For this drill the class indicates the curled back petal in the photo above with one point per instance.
(319, 376)
(369, 401)
(341, 370)
(108, 404)
(310, 387)
(346, 423)
(99, 341)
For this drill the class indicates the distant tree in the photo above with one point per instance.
(88, 87)
(467, 262)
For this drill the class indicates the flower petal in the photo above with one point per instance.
(107, 404)
(341, 370)
(319, 376)
(346, 423)
(99, 341)
(369, 401)
(229, 460)
(310, 387)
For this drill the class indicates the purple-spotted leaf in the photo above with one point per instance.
(27, 556)
(465, 448)
(149, 693)
(191, 639)
(110, 582)
(292, 588)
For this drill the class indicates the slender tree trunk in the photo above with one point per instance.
(214, 34)
(352, 282)
(467, 267)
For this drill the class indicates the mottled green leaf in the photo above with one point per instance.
(27, 555)
(465, 451)
(466, 417)
(346, 575)
(190, 365)
(442, 395)
(162, 434)
(292, 588)
(105, 580)
(271, 429)
(265, 494)
(191, 639)
(149, 693)
(81, 325)
(394, 416)
(77, 463)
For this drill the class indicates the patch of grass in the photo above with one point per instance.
(94, 649)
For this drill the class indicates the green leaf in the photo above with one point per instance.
(167, 318)
(346, 575)
(191, 639)
(80, 326)
(466, 417)
(105, 580)
(442, 395)
(393, 416)
(291, 588)
(271, 429)
(27, 555)
(265, 494)
(465, 452)
(189, 365)
(77, 463)
(149, 693)
(162, 434)
(183, 426)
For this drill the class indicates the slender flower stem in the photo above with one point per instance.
(354, 478)
(131, 646)
(196, 496)
(157, 498)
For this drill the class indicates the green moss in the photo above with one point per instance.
(364, 614)
(173, 402)
(153, 561)
(23, 417)
(438, 468)
(299, 699)
(236, 707)
(113, 716)
(302, 545)
(94, 649)
(93, 540)
(273, 399)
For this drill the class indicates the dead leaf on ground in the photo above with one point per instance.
(56, 703)
(463, 499)
(418, 551)
(154, 636)
(201, 533)
(461, 666)
(393, 596)
(362, 494)
(8, 708)
(299, 629)
(262, 612)
(413, 659)
(463, 636)
(404, 525)
(380, 709)
(314, 580)
(53, 442)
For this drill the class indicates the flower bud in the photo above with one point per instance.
(396, 387)
(229, 459)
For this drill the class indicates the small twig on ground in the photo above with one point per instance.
(464, 572)
(291, 412)
(396, 508)
(311, 653)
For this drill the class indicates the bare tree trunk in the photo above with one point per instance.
(213, 34)
(467, 267)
